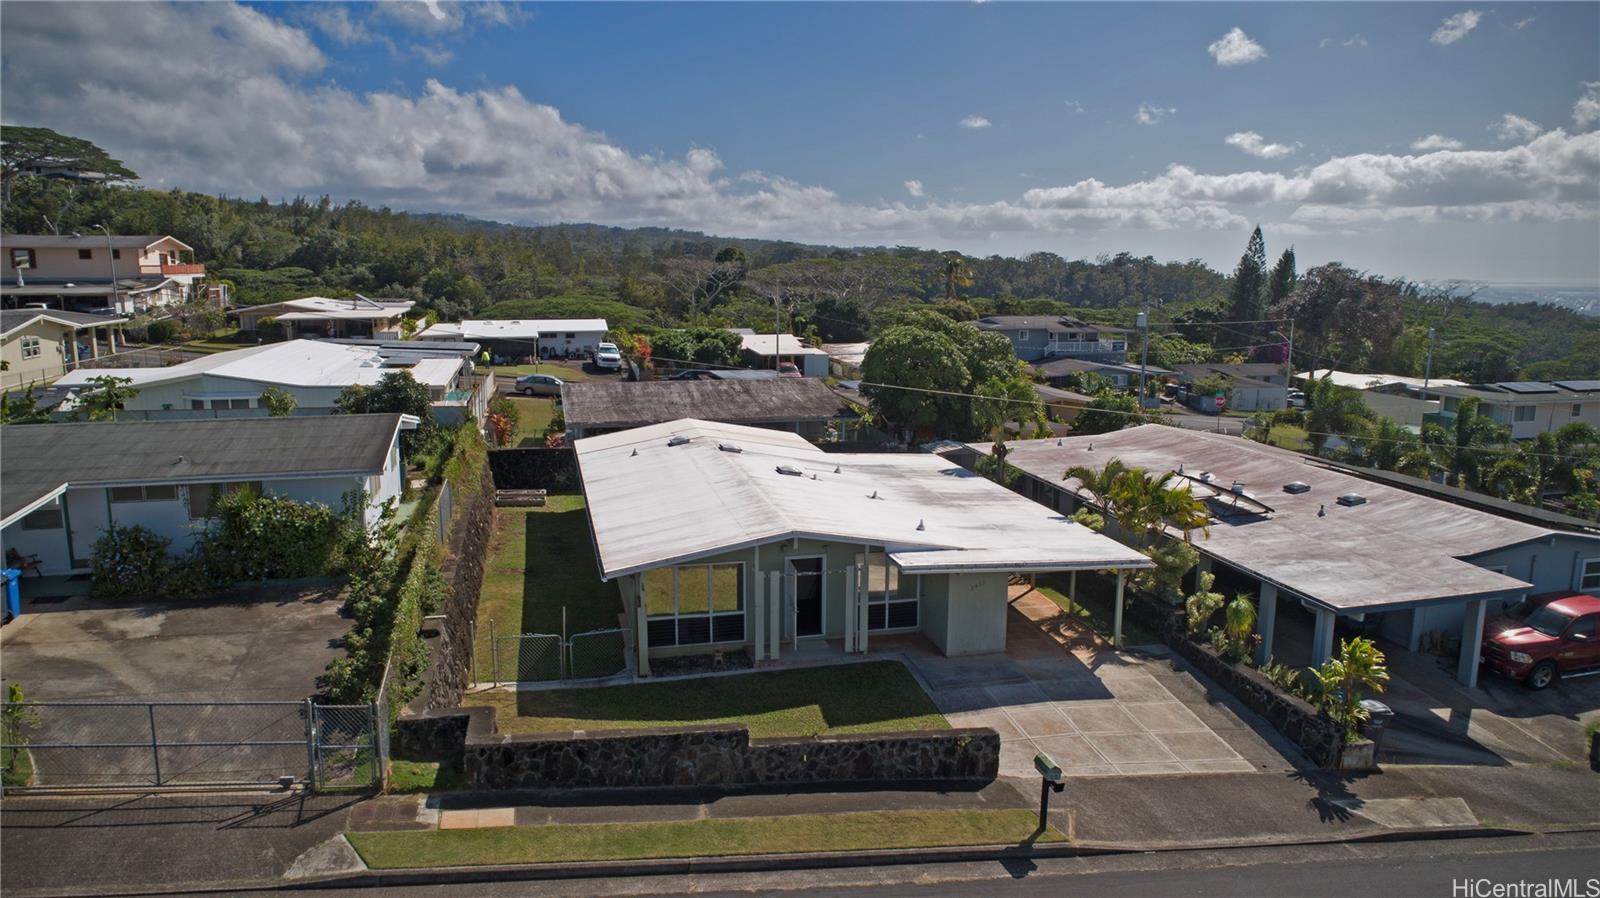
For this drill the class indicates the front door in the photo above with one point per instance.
(806, 575)
(88, 516)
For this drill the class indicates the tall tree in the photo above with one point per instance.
(1334, 410)
(22, 148)
(955, 273)
(1342, 317)
(1249, 283)
(1281, 282)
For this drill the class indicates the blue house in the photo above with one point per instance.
(1038, 338)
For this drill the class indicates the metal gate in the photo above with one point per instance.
(597, 653)
(144, 745)
(528, 658)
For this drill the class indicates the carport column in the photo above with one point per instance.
(1266, 621)
(1116, 625)
(758, 616)
(852, 586)
(644, 626)
(1322, 637)
(859, 621)
(775, 607)
(1471, 643)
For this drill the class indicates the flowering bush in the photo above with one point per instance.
(130, 561)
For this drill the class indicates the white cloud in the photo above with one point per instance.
(433, 55)
(1236, 48)
(1152, 115)
(277, 127)
(914, 188)
(1456, 27)
(1075, 106)
(1256, 145)
(441, 16)
(1523, 23)
(1357, 41)
(334, 20)
(975, 121)
(1587, 110)
(1515, 128)
(1436, 142)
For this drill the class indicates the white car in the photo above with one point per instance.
(607, 355)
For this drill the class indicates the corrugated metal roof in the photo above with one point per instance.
(42, 458)
(300, 363)
(1398, 548)
(595, 404)
(717, 501)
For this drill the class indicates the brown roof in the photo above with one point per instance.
(596, 404)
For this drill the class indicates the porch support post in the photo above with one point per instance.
(642, 618)
(1471, 642)
(94, 345)
(859, 621)
(775, 619)
(1418, 618)
(1116, 625)
(852, 590)
(1322, 637)
(1266, 621)
(758, 617)
(1072, 591)
(111, 338)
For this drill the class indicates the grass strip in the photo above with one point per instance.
(868, 697)
(568, 843)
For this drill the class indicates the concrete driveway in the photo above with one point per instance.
(255, 645)
(1097, 712)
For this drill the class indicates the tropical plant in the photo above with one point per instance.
(395, 391)
(17, 721)
(106, 396)
(278, 402)
(1465, 446)
(22, 408)
(1109, 410)
(1174, 560)
(1343, 680)
(1334, 409)
(1238, 627)
(1202, 603)
(1088, 518)
(955, 274)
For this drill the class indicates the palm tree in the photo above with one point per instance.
(1391, 447)
(1239, 623)
(1462, 447)
(955, 273)
(1097, 483)
(1332, 409)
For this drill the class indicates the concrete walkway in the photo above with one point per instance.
(1095, 711)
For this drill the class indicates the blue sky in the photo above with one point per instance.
(807, 121)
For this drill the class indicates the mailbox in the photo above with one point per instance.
(1047, 768)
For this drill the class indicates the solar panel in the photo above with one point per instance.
(1579, 386)
(1526, 386)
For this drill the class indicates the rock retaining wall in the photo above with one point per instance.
(555, 470)
(450, 670)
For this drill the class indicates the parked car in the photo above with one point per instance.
(1556, 639)
(538, 385)
(789, 369)
(607, 355)
(1297, 398)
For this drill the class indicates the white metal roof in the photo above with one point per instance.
(515, 329)
(321, 308)
(788, 344)
(720, 501)
(300, 363)
(1373, 381)
(1398, 548)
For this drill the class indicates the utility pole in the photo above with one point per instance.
(1427, 371)
(1144, 354)
(111, 259)
(777, 328)
(1288, 358)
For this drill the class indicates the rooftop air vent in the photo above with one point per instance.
(790, 472)
(1350, 499)
(1207, 477)
(678, 440)
(1238, 488)
(1297, 487)
(729, 447)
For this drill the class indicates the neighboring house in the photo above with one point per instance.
(844, 359)
(802, 405)
(1328, 551)
(1038, 338)
(773, 544)
(315, 372)
(1266, 372)
(524, 337)
(39, 345)
(319, 316)
(1062, 405)
(1528, 408)
(1256, 386)
(63, 484)
(90, 273)
(1407, 400)
(1058, 372)
(762, 351)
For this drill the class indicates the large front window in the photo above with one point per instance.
(695, 604)
(891, 599)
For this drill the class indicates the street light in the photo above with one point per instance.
(111, 259)
(1143, 322)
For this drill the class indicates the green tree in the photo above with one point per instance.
(1280, 283)
(395, 391)
(1109, 410)
(1342, 317)
(22, 408)
(1391, 447)
(955, 273)
(106, 396)
(278, 402)
(1332, 409)
(1343, 680)
(1249, 283)
(1006, 400)
(1465, 446)
(907, 374)
(22, 148)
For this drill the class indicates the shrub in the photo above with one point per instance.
(1202, 604)
(160, 331)
(255, 537)
(130, 561)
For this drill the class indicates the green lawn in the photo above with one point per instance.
(563, 370)
(541, 560)
(533, 416)
(1095, 606)
(425, 776)
(871, 697)
(568, 843)
(1285, 436)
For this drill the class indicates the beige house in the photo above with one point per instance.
(40, 345)
(122, 274)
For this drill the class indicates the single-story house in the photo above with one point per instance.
(1528, 408)
(1387, 383)
(1061, 405)
(1268, 372)
(844, 359)
(764, 351)
(62, 485)
(801, 405)
(315, 372)
(526, 337)
(1122, 374)
(319, 316)
(39, 345)
(771, 542)
(1357, 555)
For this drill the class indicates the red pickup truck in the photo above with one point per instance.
(1557, 638)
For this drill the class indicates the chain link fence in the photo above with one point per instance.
(107, 744)
(527, 658)
(597, 653)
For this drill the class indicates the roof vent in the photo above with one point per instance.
(874, 495)
(920, 525)
(678, 440)
(836, 469)
(1322, 511)
(1350, 499)
(635, 453)
(1207, 477)
(729, 447)
(788, 471)
(1296, 487)
(1238, 488)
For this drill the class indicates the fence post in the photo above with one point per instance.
(380, 760)
(563, 648)
(311, 743)
(494, 654)
(155, 743)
